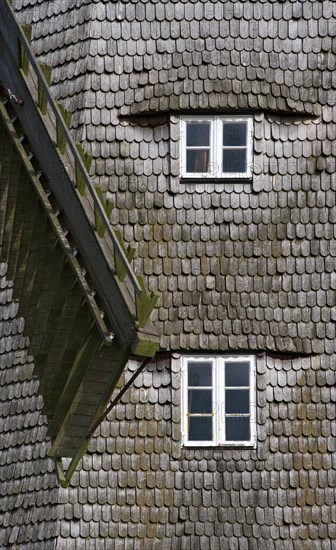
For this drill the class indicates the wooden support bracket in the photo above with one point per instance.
(87, 160)
(65, 474)
(41, 96)
(24, 61)
(129, 253)
(108, 207)
(145, 303)
(61, 139)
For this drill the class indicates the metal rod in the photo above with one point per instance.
(119, 396)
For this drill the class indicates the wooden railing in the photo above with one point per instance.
(77, 164)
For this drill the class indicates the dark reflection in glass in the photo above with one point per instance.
(237, 428)
(199, 401)
(199, 373)
(234, 134)
(198, 134)
(234, 160)
(237, 374)
(198, 161)
(237, 401)
(200, 428)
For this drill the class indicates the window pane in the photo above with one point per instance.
(234, 134)
(200, 401)
(237, 401)
(198, 161)
(237, 429)
(198, 133)
(200, 428)
(237, 374)
(234, 160)
(199, 373)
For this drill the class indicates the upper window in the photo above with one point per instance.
(218, 400)
(216, 147)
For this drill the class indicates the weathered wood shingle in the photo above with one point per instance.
(29, 492)
(238, 266)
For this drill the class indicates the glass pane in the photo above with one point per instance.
(237, 429)
(200, 428)
(200, 401)
(200, 373)
(234, 134)
(198, 133)
(198, 161)
(237, 374)
(234, 160)
(237, 401)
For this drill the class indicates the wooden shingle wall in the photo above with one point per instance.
(138, 488)
(239, 267)
(29, 491)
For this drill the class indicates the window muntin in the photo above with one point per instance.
(198, 146)
(237, 400)
(216, 147)
(218, 401)
(200, 399)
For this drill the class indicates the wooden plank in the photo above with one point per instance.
(11, 171)
(5, 166)
(42, 100)
(108, 206)
(24, 61)
(51, 315)
(84, 358)
(99, 398)
(35, 258)
(87, 160)
(27, 259)
(129, 253)
(43, 289)
(145, 303)
(59, 366)
(61, 139)
(29, 212)
(22, 223)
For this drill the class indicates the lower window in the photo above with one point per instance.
(218, 400)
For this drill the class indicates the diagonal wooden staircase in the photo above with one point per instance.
(85, 310)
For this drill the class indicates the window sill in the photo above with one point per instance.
(230, 181)
(228, 447)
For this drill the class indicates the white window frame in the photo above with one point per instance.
(216, 147)
(219, 414)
